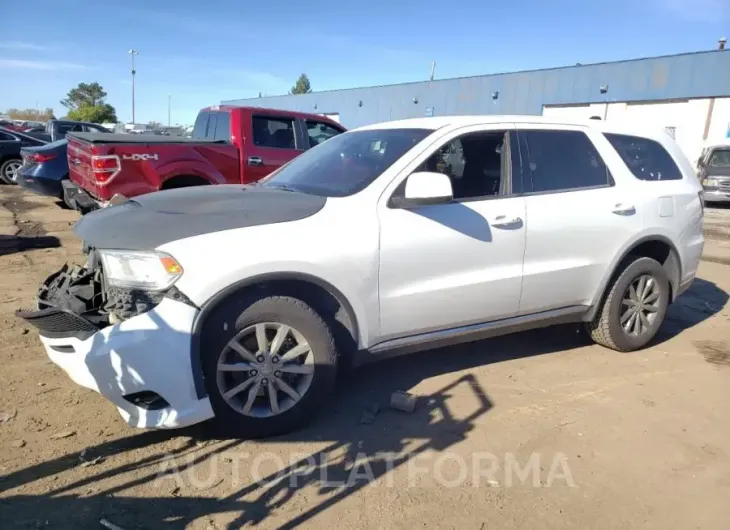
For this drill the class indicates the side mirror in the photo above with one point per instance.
(426, 187)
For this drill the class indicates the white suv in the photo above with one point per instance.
(240, 302)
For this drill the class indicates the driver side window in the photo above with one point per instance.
(479, 164)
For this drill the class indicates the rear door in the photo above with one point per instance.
(272, 143)
(578, 216)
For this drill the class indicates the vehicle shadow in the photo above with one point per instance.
(13, 244)
(701, 301)
(359, 437)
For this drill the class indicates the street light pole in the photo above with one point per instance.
(133, 53)
(169, 106)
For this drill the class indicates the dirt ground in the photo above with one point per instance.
(537, 430)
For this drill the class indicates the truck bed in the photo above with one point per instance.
(114, 138)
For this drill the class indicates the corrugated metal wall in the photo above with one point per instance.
(694, 75)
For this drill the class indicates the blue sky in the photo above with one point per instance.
(203, 52)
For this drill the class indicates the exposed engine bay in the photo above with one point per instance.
(77, 298)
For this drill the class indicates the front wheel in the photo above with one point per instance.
(634, 308)
(268, 367)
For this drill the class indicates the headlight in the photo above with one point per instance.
(149, 271)
(711, 183)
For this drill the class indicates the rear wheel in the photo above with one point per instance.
(634, 308)
(8, 170)
(268, 367)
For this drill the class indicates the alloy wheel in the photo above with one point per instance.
(265, 369)
(640, 305)
(11, 171)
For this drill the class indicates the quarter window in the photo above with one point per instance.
(564, 161)
(273, 132)
(646, 159)
(222, 128)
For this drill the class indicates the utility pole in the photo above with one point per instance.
(133, 53)
(169, 106)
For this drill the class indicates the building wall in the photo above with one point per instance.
(680, 77)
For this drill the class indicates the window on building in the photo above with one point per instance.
(646, 159)
(563, 161)
(318, 132)
(479, 164)
(273, 132)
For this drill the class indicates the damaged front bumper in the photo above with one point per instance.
(131, 347)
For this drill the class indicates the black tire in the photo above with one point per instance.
(606, 328)
(3, 168)
(234, 316)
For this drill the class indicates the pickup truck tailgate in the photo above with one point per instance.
(80, 165)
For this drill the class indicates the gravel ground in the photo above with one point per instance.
(540, 429)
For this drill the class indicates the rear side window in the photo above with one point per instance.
(318, 132)
(646, 159)
(4, 137)
(222, 128)
(563, 161)
(273, 132)
(201, 125)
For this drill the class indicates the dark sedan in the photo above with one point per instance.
(11, 142)
(44, 168)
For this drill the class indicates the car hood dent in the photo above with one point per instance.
(149, 221)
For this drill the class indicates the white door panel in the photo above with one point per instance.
(571, 240)
(450, 265)
(572, 235)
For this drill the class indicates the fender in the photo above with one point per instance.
(209, 306)
(673, 266)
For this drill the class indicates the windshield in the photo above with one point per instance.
(720, 158)
(346, 163)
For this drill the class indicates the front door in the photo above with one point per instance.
(274, 144)
(451, 265)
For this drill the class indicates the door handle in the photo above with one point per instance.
(503, 221)
(255, 161)
(624, 209)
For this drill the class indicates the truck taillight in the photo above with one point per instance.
(105, 168)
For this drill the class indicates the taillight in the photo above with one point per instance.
(38, 158)
(105, 168)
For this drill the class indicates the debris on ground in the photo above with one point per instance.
(7, 416)
(64, 434)
(18, 444)
(86, 461)
(368, 415)
(109, 525)
(402, 401)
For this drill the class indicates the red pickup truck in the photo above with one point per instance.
(229, 145)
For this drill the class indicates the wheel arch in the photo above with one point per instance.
(657, 247)
(304, 286)
(182, 181)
